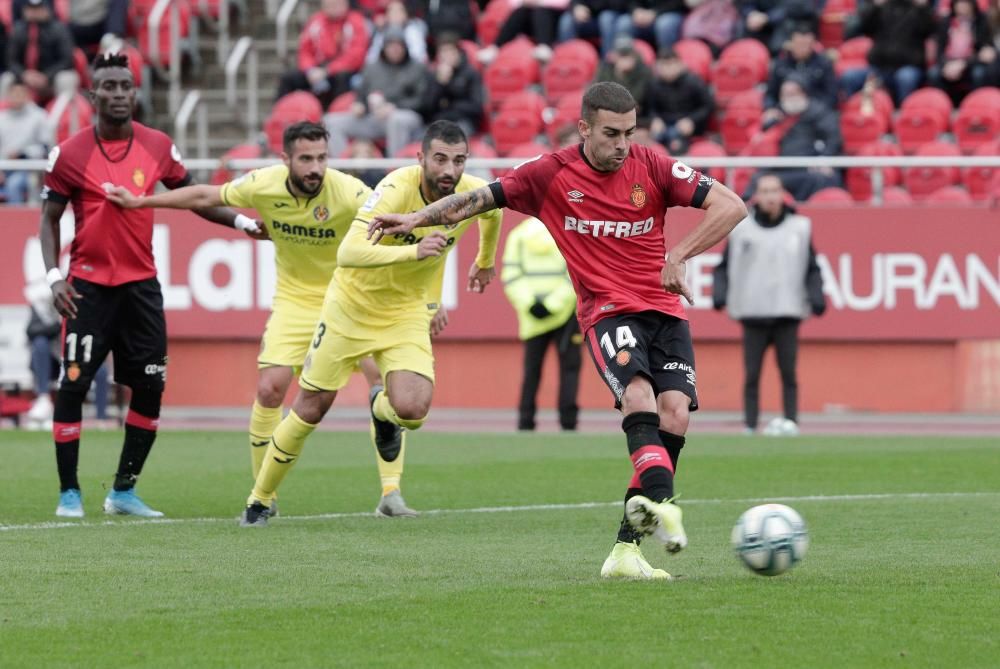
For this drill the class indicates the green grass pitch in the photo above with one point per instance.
(903, 569)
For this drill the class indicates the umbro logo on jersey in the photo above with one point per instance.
(575, 196)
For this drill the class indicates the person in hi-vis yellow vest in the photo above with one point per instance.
(536, 283)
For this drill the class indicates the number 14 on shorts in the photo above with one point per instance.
(623, 338)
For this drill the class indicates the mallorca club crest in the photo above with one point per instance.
(321, 213)
(638, 196)
(623, 357)
(73, 372)
(139, 178)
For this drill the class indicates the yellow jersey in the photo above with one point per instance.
(307, 232)
(379, 283)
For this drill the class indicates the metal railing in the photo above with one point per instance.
(244, 49)
(174, 66)
(192, 105)
(281, 20)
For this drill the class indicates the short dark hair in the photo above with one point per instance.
(448, 132)
(607, 95)
(302, 130)
(108, 61)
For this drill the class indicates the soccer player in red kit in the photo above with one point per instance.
(111, 300)
(604, 201)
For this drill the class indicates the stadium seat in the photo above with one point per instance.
(528, 150)
(924, 180)
(77, 114)
(858, 180)
(480, 149)
(294, 107)
(528, 100)
(949, 195)
(139, 11)
(977, 180)
(741, 120)
(742, 176)
(832, 195)
(513, 126)
(697, 56)
(881, 101)
(978, 119)
(471, 50)
(852, 54)
(645, 51)
(896, 196)
(223, 174)
(741, 66)
(491, 20)
(342, 103)
(571, 68)
(923, 116)
(708, 149)
(831, 22)
(409, 151)
(859, 130)
(513, 71)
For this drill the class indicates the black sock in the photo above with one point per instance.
(138, 443)
(66, 418)
(649, 458)
(673, 443)
(626, 533)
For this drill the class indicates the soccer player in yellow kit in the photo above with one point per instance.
(380, 303)
(307, 209)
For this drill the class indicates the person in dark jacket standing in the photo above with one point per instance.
(812, 68)
(455, 89)
(678, 104)
(770, 282)
(898, 29)
(40, 52)
(963, 39)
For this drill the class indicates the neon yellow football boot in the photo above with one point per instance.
(661, 520)
(626, 561)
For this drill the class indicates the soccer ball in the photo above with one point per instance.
(770, 539)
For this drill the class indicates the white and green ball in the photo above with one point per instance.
(770, 539)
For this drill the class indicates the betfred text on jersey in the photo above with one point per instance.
(619, 229)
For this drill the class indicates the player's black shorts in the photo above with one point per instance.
(649, 343)
(125, 320)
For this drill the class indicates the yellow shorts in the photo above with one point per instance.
(286, 339)
(340, 342)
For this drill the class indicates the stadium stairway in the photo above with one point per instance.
(226, 128)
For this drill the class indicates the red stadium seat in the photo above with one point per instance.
(881, 101)
(923, 116)
(645, 51)
(709, 149)
(741, 120)
(741, 66)
(742, 176)
(342, 103)
(949, 195)
(831, 195)
(77, 115)
(922, 181)
(139, 13)
(858, 180)
(977, 180)
(81, 64)
(409, 151)
(528, 100)
(831, 22)
(528, 150)
(492, 19)
(471, 50)
(978, 119)
(896, 196)
(512, 72)
(6, 15)
(514, 126)
(292, 108)
(697, 56)
(859, 129)
(571, 68)
(223, 174)
(852, 54)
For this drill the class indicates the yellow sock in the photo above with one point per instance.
(390, 473)
(263, 421)
(383, 411)
(286, 444)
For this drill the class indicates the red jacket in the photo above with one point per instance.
(337, 45)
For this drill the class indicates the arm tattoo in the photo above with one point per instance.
(459, 207)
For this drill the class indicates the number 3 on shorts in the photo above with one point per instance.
(623, 336)
(320, 331)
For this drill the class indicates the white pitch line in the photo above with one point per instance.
(58, 525)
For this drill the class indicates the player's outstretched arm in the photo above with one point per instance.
(723, 210)
(189, 197)
(445, 211)
(63, 294)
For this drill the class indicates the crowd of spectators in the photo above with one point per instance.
(407, 65)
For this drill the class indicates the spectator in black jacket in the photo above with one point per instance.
(40, 52)
(655, 21)
(771, 21)
(898, 29)
(812, 68)
(807, 128)
(679, 103)
(961, 39)
(586, 19)
(455, 89)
